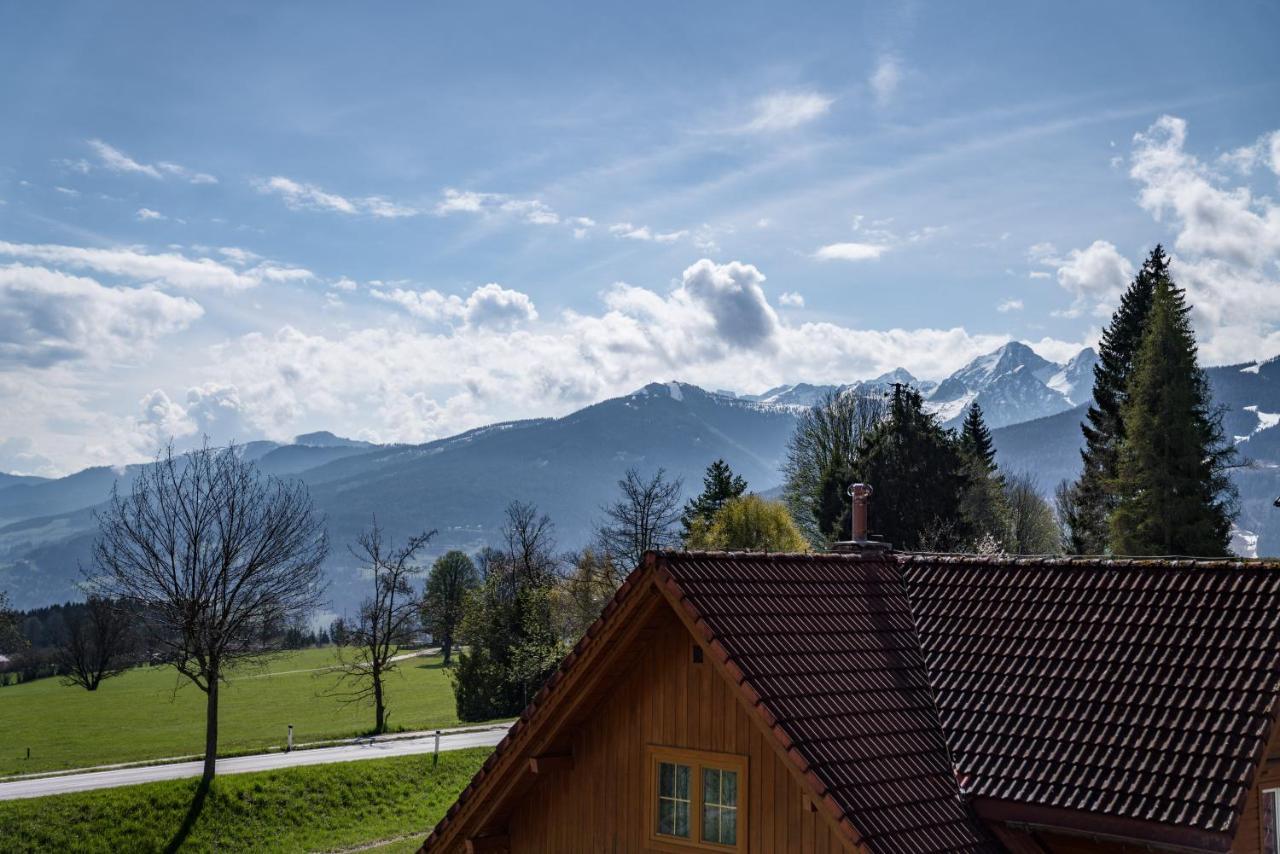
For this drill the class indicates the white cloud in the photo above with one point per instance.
(114, 160)
(17, 456)
(302, 196)
(791, 299)
(166, 268)
(297, 196)
(492, 358)
(145, 214)
(1095, 276)
(643, 232)
(463, 201)
(67, 191)
(1227, 240)
(1266, 151)
(48, 317)
(1226, 223)
(732, 294)
(1009, 305)
(489, 306)
(885, 79)
(786, 110)
(850, 252)
(495, 307)
(531, 211)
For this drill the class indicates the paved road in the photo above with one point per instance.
(381, 749)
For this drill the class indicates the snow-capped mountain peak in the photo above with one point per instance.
(1014, 383)
(1075, 379)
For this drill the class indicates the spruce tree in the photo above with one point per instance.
(975, 439)
(1104, 427)
(918, 473)
(1171, 490)
(984, 508)
(719, 484)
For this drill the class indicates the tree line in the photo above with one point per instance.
(516, 608)
(935, 489)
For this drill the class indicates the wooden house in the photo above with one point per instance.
(892, 703)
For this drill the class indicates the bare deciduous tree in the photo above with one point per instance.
(644, 517)
(825, 443)
(1032, 527)
(98, 644)
(531, 544)
(386, 621)
(217, 557)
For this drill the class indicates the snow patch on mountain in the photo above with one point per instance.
(1266, 420)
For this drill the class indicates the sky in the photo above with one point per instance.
(401, 221)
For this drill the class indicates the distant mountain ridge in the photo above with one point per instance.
(460, 485)
(1011, 384)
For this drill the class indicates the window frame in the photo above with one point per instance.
(1269, 820)
(697, 760)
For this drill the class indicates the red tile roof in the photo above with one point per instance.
(1128, 691)
(1142, 689)
(827, 644)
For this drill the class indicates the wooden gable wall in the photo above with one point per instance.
(1266, 776)
(664, 699)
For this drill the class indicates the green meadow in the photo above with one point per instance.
(152, 713)
(340, 807)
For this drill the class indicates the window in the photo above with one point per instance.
(696, 799)
(1269, 804)
(673, 799)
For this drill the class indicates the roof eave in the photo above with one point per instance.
(1096, 825)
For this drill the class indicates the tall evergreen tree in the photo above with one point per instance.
(984, 506)
(975, 439)
(918, 474)
(1172, 493)
(1104, 428)
(719, 484)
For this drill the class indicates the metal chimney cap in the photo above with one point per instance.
(860, 490)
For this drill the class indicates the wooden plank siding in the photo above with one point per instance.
(664, 699)
(1267, 776)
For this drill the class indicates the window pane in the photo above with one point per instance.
(711, 824)
(682, 816)
(710, 786)
(729, 789)
(666, 775)
(666, 817)
(729, 827)
(682, 782)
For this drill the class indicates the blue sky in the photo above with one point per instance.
(256, 220)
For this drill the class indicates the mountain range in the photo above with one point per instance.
(459, 486)
(1011, 384)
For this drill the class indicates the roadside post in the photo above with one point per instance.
(289, 749)
(435, 757)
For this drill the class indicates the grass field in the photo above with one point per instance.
(137, 716)
(317, 808)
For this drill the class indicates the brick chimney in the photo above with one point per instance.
(860, 493)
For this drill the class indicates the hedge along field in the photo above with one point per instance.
(313, 808)
(138, 716)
